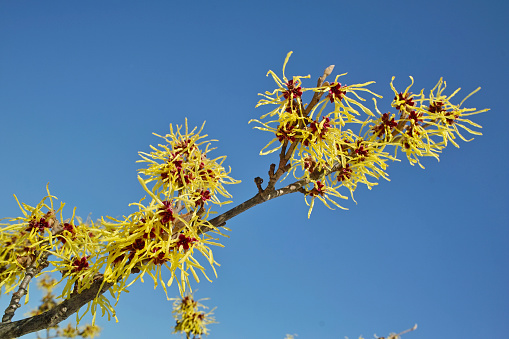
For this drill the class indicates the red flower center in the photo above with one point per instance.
(336, 92)
(292, 92)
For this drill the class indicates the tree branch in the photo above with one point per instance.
(31, 271)
(54, 316)
(34, 268)
(259, 198)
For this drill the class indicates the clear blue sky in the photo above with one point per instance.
(84, 84)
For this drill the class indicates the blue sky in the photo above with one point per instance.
(84, 84)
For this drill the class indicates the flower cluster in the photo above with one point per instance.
(181, 167)
(30, 238)
(190, 319)
(41, 239)
(87, 331)
(425, 124)
(182, 183)
(324, 151)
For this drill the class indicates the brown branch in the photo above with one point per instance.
(326, 73)
(406, 331)
(31, 271)
(259, 181)
(270, 192)
(70, 306)
(54, 316)
(283, 167)
(259, 198)
(35, 267)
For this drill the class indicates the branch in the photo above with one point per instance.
(406, 331)
(56, 315)
(34, 268)
(283, 167)
(259, 198)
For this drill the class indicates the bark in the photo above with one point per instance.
(54, 316)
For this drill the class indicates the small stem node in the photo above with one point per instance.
(259, 181)
(272, 170)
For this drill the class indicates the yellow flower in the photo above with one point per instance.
(39, 239)
(288, 94)
(90, 331)
(295, 124)
(182, 167)
(25, 239)
(68, 332)
(428, 123)
(191, 317)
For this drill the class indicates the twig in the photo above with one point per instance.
(326, 73)
(259, 181)
(31, 271)
(259, 198)
(56, 315)
(406, 331)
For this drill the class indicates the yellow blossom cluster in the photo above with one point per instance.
(191, 317)
(42, 241)
(425, 124)
(88, 331)
(165, 232)
(324, 139)
(24, 240)
(182, 184)
(30, 238)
